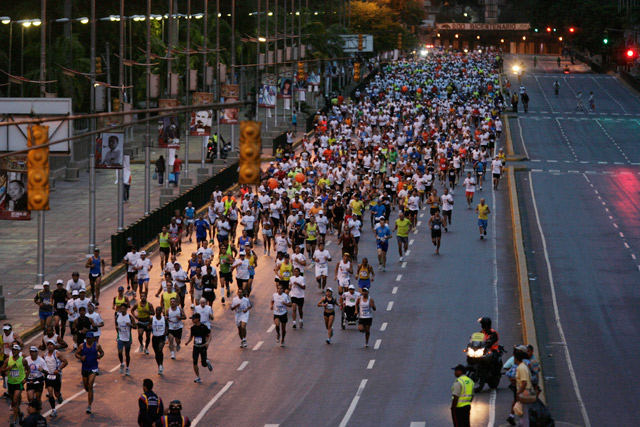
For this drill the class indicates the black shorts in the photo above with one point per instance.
(434, 210)
(209, 296)
(177, 333)
(226, 276)
(436, 233)
(329, 313)
(166, 251)
(365, 321)
(284, 284)
(55, 383)
(250, 232)
(11, 388)
(92, 278)
(241, 282)
(199, 352)
(496, 175)
(297, 301)
(86, 374)
(412, 212)
(131, 275)
(281, 317)
(62, 314)
(36, 386)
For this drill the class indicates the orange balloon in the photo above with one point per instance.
(300, 178)
(404, 88)
(273, 183)
(419, 90)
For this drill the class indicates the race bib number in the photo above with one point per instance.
(366, 313)
(52, 377)
(198, 341)
(60, 305)
(14, 373)
(436, 227)
(364, 274)
(208, 289)
(286, 274)
(329, 306)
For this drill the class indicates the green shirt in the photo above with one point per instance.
(16, 373)
(403, 227)
(224, 266)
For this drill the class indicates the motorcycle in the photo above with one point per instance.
(484, 366)
(212, 149)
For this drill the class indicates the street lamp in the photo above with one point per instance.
(6, 20)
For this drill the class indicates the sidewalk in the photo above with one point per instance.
(67, 228)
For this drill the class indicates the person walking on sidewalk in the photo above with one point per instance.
(177, 166)
(160, 169)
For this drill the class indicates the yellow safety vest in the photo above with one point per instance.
(466, 393)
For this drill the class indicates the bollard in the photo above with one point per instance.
(2, 313)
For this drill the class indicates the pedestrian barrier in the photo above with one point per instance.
(147, 228)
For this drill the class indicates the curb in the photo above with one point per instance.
(524, 292)
(507, 134)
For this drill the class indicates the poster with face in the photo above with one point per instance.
(109, 150)
(267, 96)
(13, 188)
(169, 132)
(201, 120)
(230, 94)
(285, 88)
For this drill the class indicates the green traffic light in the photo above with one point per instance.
(605, 41)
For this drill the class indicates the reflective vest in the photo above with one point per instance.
(488, 335)
(466, 392)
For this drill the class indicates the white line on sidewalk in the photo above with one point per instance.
(572, 373)
(383, 327)
(390, 306)
(258, 345)
(210, 404)
(243, 365)
(399, 277)
(371, 363)
(353, 405)
(271, 328)
(377, 344)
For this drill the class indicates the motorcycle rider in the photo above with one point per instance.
(491, 337)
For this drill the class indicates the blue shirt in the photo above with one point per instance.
(95, 266)
(378, 210)
(190, 212)
(91, 360)
(202, 225)
(382, 232)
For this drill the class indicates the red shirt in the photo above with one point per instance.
(177, 164)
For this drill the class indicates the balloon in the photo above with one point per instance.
(419, 90)
(405, 89)
(300, 178)
(273, 183)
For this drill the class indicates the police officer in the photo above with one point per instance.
(462, 394)
(150, 406)
(174, 418)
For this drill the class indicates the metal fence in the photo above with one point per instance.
(147, 228)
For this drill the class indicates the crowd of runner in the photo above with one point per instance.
(419, 131)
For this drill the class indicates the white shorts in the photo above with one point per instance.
(197, 294)
(344, 282)
(242, 317)
(322, 270)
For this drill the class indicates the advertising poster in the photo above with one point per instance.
(267, 96)
(109, 150)
(285, 87)
(230, 94)
(201, 120)
(13, 188)
(168, 127)
(313, 81)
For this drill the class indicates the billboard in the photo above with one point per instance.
(230, 94)
(168, 127)
(110, 150)
(267, 96)
(201, 120)
(13, 188)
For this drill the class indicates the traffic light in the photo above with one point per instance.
(250, 148)
(548, 29)
(98, 65)
(356, 71)
(572, 30)
(605, 41)
(399, 41)
(631, 54)
(360, 42)
(38, 169)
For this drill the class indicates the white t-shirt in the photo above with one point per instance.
(447, 202)
(297, 260)
(97, 319)
(279, 301)
(72, 309)
(496, 166)
(242, 304)
(470, 185)
(413, 203)
(354, 226)
(247, 222)
(321, 257)
(296, 291)
(143, 273)
(174, 318)
(206, 254)
(75, 286)
(131, 258)
(242, 269)
(281, 244)
(124, 326)
(205, 313)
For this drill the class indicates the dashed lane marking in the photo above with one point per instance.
(404, 264)
(354, 403)
(389, 305)
(411, 242)
(258, 345)
(383, 327)
(408, 252)
(377, 344)
(399, 277)
(394, 290)
(371, 363)
(417, 424)
(271, 328)
(243, 365)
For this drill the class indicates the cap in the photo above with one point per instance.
(75, 273)
(33, 348)
(83, 290)
(521, 347)
(89, 335)
(121, 288)
(16, 347)
(143, 252)
(45, 283)
(7, 327)
(51, 342)
(75, 293)
(365, 289)
(59, 282)
(329, 290)
(96, 249)
(351, 287)
(459, 367)
(175, 404)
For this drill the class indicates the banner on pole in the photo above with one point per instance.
(267, 96)
(230, 94)
(13, 188)
(201, 120)
(109, 150)
(168, 127)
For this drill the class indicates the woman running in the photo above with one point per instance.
(329, 303)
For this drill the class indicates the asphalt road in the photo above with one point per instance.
(427, 308)
(578, 193)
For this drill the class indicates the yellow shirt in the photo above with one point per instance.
(403, 227)
(483, 211)
(356, 207)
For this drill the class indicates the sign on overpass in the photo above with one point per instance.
(483, 27)
(350, 43)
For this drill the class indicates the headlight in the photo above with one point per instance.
(475, 353)
(516, 68)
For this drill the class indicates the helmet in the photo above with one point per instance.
(485, 322)
(175, 405)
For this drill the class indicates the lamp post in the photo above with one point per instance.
(92, 152)
(121, 91)
(7, 21)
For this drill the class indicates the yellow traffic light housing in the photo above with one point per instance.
(250, 149)
(356, 71)
(38, 169)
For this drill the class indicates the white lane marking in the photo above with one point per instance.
(419, 223)
(271, 328)
(210, 404)
(572, 373)
(526, 152)
(626, 245)
(272, 425)
(615, 225)
(258, 345)
(243, 365)
(417, 424)
(415, 231)
(621, 235)
(354, 403)
(421, 215)
(371, 363)
(328, 243)
(394, 290)
(492, 405)
(64, 402)
(399, 277)
(411, 242)
(383, 327)
(552, 161)
(113, 369)
(408, 252)
(390, 306)
(377, 344)
(404, 264)
(633, 256)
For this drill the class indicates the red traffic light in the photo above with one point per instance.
(548, 29)
(572, 30)
(631, 53)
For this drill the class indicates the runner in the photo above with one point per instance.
(120, 299)
(164, 246)
(279, 303)
(321, 257)
(96, 322)
(60, 299)
(159, 329)
(470, 188)
(129, 260)
(297, 296)
(348, 303)
(365, 274)
(383, 234)
(483, 212)
(44, 301)
(189, 215)
(209, 284)
(311, 233)
(446, 200)
(142, 311)
(124, 323)
(242, 266)
(55, 362)
(284, 271)
(96, 266)
(403, 225)
(202, 227)
(436, 223)
(328, 302)
(35, 378)
(496, 170)
(175, 316)
(89, 352)
(15, 368)
(201, 336)
(142, 266)
(225, 261)
(344, 269)
(364, 308)
(241, 305)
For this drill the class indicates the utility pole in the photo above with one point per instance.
(124, 133)
(186, 91)
(41, 213)
(147, 148)
(92, 127)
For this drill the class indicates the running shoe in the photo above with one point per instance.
(60, 398)
(160, 370)
(197, 380)
(122, 368)
(126, 371)
(88, 409)
(294, 325)
(209, 366)
(141, 349)
(173, 355)
(54, 413)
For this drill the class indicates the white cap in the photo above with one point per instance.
(143, 252)
(45, 283)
